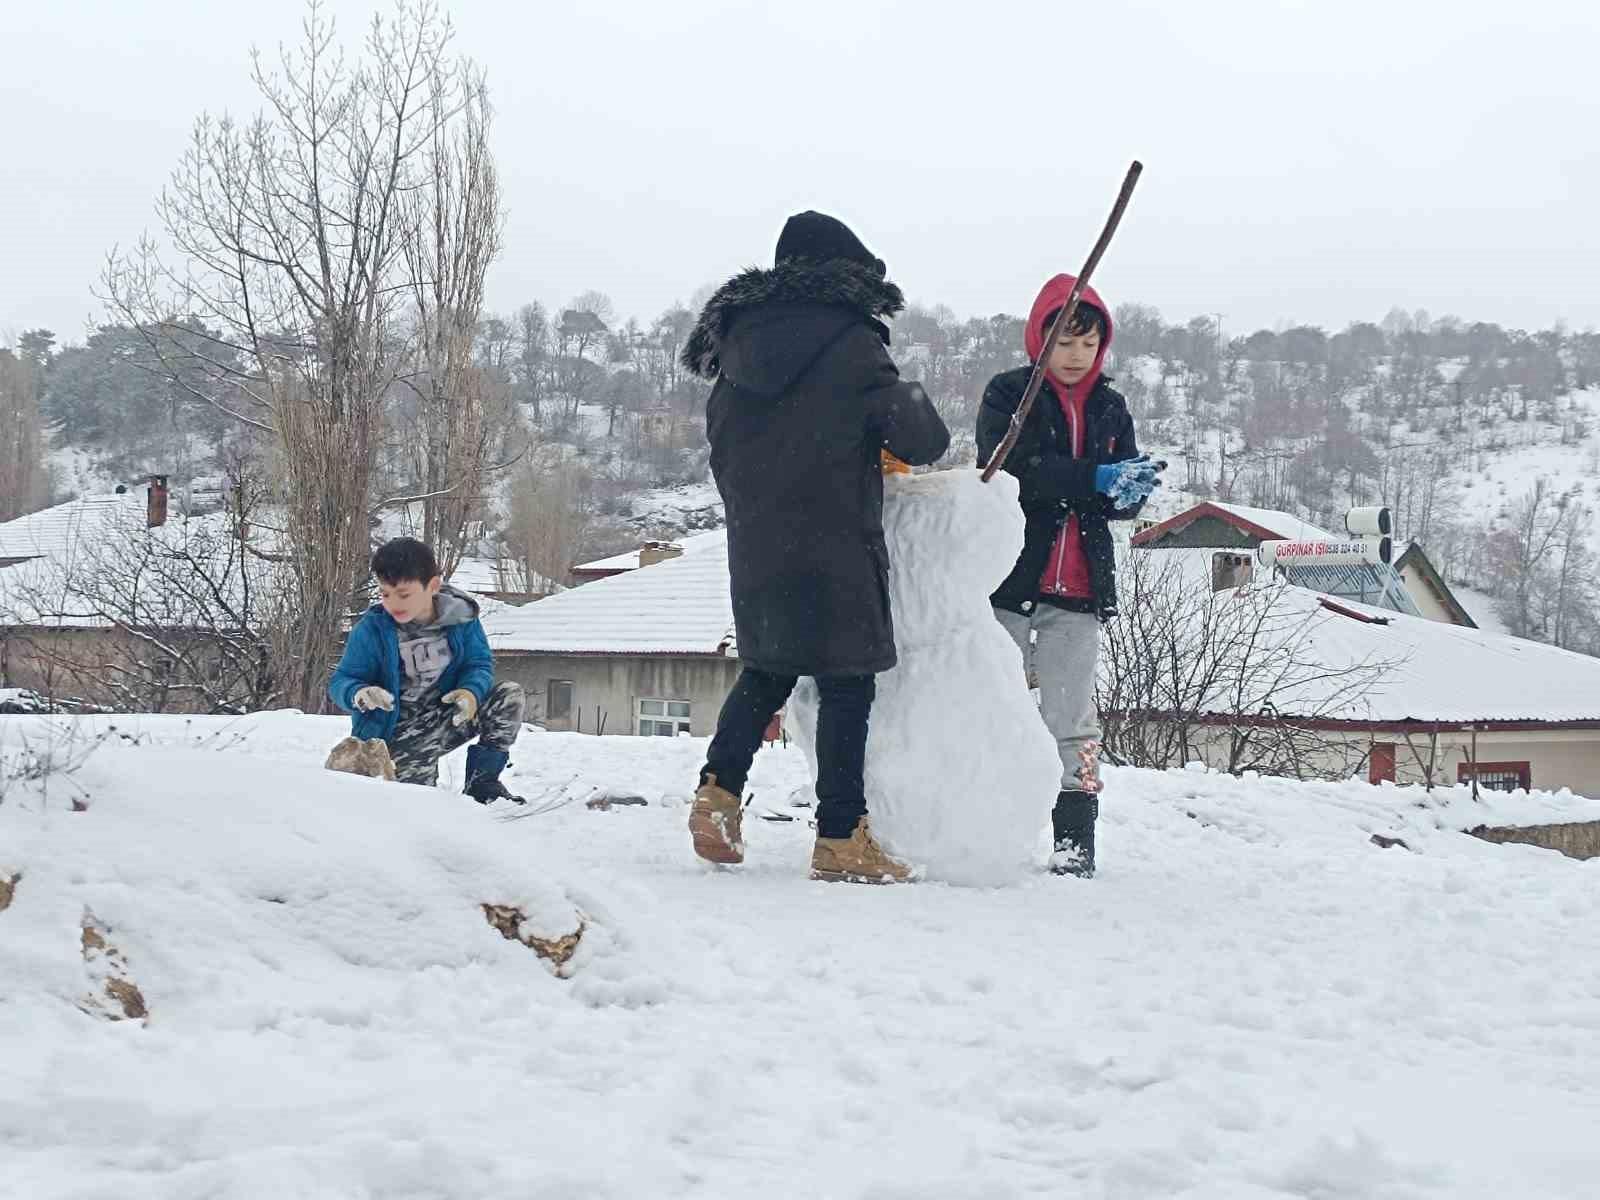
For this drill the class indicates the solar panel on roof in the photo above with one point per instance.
(1377, 584)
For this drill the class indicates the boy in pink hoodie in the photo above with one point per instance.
(1078, 466)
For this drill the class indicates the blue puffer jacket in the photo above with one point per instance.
(372, 656)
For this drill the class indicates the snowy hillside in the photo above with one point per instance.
(1253, 1000)
(1499, 473)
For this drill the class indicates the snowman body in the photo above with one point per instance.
(961, 771)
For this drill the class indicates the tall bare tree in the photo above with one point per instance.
(24, 482)
(451, 235)
(290, 233)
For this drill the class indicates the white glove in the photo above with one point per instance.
(373, 696)
(466, 705)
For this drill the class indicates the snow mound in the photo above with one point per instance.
(235, 892)
(1250, 1000)
(961, 772)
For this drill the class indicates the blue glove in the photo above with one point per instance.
(1128, 482)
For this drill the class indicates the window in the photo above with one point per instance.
(558, 700)
(663, 718)
(1497, 776)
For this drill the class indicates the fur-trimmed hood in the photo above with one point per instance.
(838, 283)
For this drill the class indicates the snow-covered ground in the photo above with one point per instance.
(75, 471)
(1482, 608)
(1252, 1000)
(690, 506)
(1524, 453)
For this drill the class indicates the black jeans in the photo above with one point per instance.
(845, 705)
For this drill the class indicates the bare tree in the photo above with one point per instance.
(535, 360)
(580, 338)
(451, 233)
(24, 480)
(1573, 587)
(1233, 677)
(547, 519)
(1523, 550)
(291, 234)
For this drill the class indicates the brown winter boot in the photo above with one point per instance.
(714, 823)
(856, 859)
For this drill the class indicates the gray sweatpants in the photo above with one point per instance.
(1060, 651)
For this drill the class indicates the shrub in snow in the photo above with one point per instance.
(21, 700)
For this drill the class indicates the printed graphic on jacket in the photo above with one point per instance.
(423, 659)
(424, 647)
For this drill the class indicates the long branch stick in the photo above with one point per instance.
(1063, 321)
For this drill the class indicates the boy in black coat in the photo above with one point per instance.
(806, 401)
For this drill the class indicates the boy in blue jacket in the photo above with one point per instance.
(418, 673)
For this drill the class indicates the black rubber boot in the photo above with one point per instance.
(487, 791)
(484, 764)
(1072, 822)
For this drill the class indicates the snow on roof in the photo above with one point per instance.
(483, 575)
(1453, 673)
(1440, 672)
(1260, 523)
(715, 540)
(105, 566)
(55, 530)
(680, 606)
(1287, 527)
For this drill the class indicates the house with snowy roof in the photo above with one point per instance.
(646, 649)
(1277, 677)
(55, 531)
(1407, 582)
(650, 650)
(648, 554)
(501, 579)
(106, 601)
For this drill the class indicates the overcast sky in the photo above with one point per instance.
(1307, 162)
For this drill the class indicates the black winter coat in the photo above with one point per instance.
(806, 397)
(1055, 484)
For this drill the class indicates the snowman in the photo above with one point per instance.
(961, 771)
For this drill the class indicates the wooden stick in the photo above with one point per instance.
(1063, 321)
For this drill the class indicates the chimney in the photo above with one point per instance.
(1229, 570)
(653, 552)
(156, 502)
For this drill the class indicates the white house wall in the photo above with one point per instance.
(613, 685)
(1562, 758)
(1424, 597)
